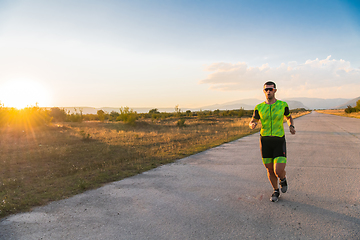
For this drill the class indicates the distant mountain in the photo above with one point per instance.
(319, 103)
(307, 103)
(247, 104)
(295, 104)
(351, 102)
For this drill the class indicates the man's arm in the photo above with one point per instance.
(255, 119)
(290, 123)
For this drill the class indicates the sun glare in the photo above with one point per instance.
(23, 93)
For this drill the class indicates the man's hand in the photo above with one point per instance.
(292, 129)
(252, 125)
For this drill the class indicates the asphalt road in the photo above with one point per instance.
(222, 193)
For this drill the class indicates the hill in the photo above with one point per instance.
(247, 104)
(319, 103)
(351, 102)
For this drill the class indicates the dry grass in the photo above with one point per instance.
(340, 112)
(55, 162)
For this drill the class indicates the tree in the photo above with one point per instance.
(178, 111)
(101, 115)
(241, 112)
(349, 109)
(127, 115)
(113, 115)
(59, 115)
(154, 111)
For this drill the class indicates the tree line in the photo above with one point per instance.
(36, 116)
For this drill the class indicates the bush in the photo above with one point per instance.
(241, 112)
(154, 111)
(181, 123)
(113, 115)
(201, 115)
(127, 115)
(350, 109)
(101, 115)
(25, 118)
(58, 115)
(75, 117)
(90, 117)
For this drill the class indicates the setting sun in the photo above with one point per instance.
(22, 93)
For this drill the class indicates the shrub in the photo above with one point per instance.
(181, 123)
(58, 115)
(241, 112)
(350, 109)
(75, 117)
(178, 111)
(101, 115)
(25, 118)
(113, 115)
(90, 117)
(127, 115)
(154, 111)
(155, 116)
(201, 115)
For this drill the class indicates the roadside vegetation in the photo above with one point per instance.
(350, 111)
(48, 155)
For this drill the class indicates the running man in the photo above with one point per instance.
(272, 137)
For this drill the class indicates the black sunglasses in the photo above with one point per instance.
(269, 89)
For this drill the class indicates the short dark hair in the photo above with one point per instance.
(270, 83)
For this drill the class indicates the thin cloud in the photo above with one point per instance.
(310, 75)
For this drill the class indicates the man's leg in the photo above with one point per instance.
(273, 180)
(275, 171)
(271, 175)
(281, 174)
(280, 170)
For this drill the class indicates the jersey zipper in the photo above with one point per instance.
(271, 121)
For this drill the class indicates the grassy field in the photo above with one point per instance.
(340, 112)
(49, 163)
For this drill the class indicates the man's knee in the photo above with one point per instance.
(271, 171)
(279, 172)
(280, 169)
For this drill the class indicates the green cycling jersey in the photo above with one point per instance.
(272, 118)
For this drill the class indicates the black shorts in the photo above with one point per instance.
(272, 147)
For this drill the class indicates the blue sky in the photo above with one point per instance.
(187, 53)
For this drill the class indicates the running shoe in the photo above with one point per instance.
(283, 185)
(275, 196)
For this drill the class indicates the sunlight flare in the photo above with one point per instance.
(21, 93)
